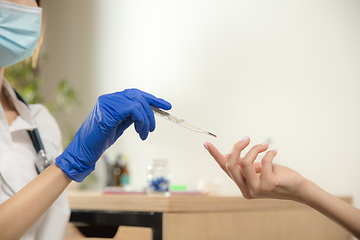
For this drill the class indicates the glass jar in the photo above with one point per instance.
(158, 178)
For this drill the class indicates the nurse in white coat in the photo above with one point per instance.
(39, 208)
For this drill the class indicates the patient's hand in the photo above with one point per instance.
(255, 179)
(269, 180)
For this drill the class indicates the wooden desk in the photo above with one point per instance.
(206, 217)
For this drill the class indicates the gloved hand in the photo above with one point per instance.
(111, 115)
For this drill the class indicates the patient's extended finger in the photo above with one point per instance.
(235, 169)
(248, 166)
(219, 158)
(266, 164)
(234, 156)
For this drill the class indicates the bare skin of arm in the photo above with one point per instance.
(22, 210)
(270, 180)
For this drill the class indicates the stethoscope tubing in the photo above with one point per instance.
(34, 134)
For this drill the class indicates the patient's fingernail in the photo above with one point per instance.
(264, 143)
(207, 148)
(244, 139)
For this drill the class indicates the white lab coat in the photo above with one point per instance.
(17, 162)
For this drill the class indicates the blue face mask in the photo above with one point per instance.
(20, 28)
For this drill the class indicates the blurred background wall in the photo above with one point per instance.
(286, 72)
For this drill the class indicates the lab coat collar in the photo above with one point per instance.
(25, 120)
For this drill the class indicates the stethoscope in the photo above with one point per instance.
(41, 162)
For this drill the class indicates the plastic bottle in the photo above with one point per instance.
(158, 177)
(124, 175)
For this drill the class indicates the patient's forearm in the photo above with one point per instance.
(334, 208)
(22, 210)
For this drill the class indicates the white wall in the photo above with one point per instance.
(280, 71)
(69, 43)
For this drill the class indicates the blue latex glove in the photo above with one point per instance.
(111, 115)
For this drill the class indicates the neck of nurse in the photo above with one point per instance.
(7, 106)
